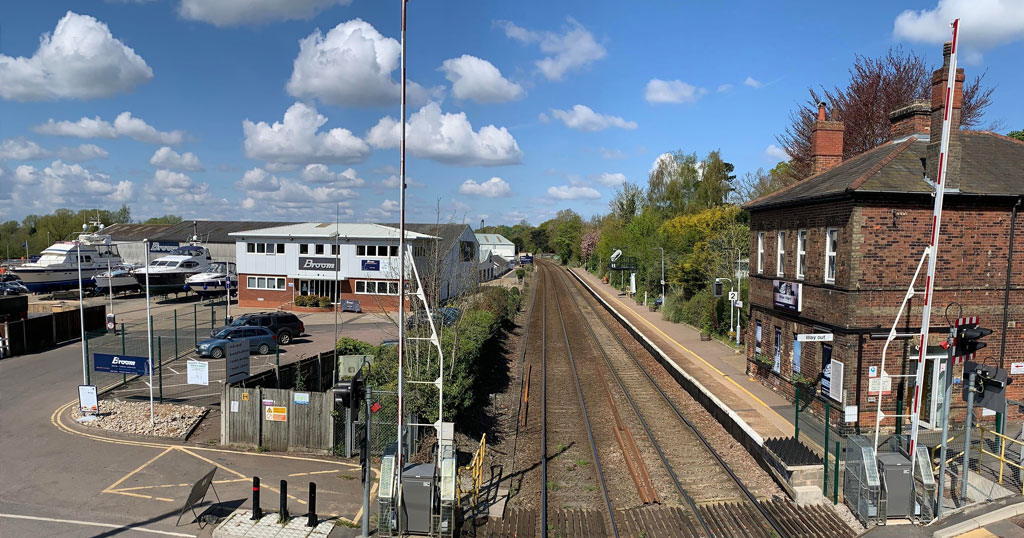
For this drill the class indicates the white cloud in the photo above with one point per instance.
(611, 179)
(543, 118)
(166, 157)
(232, 12)
(389, 205)
(296, 140)
(448, 138)
(672, 91)
(568, 192)
(583, 118)
(567, 51)
(68, 185)
(722, 88)
(477, 79)
(350, 66)
(492, 188)
(752, 82)
(258, 179)
(391, 182)
(124, 125)
(775, 152)
(176, 189)
(319, 173)
(984, 23)
(23, 149)
(81, 59)
(608, 153)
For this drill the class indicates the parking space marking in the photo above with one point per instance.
(95, 524)
(316, 472)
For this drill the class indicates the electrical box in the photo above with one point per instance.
(418, 498)
(895, 471)
(348, 365)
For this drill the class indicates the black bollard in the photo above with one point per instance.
(311, 522)
(283, 513)
(257, 512)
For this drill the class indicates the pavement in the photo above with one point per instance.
(61, 479)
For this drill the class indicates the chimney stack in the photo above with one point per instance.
(938, 106)
(913, 119)
(826, 143)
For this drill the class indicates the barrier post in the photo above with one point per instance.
(160, 366)
(257, 512)
(283, 510)
(195, 325)
(311, 519)
(213, 317)
(88, 374)
(835, 479)
(175, 333)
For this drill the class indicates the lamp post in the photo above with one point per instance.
(731, 303)
(662, 249)
(81, 313)
(149, 335)
(739, 288)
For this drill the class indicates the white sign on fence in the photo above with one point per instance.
(234, 406)
(814, 337)
(198, 372)
(237, 360)
(87, 401)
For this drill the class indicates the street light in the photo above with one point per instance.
(739, 287)
(731, 302)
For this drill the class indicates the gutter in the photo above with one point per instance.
(1006, 291)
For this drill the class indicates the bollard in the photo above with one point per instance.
(283, 511)
(257, 512)
(311, 520)
(835, 481)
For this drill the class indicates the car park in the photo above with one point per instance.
(284, 325)
(261, 341)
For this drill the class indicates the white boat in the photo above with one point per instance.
(168, 274)
(118, 278)
(57, 269)
(211, 281)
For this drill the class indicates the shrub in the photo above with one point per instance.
(352, 346)
(520, 273)
(324, 302)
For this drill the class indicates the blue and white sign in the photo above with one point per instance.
(301, 398)
(120, 364)
(371, 265)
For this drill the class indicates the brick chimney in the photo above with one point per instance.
(826, 143)
(939, 78)
(912, 119)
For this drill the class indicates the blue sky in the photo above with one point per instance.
(518, 109)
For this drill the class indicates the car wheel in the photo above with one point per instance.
(217, 353)
(284, 338)
(264, 349)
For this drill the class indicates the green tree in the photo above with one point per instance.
(121, 216)
(166, 219)
(1019, 135)
(715, 183)
(672, 183)
(627, 202)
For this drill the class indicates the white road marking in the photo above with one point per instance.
(95, 524)
(173, 370)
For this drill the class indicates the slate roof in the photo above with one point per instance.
(210, 231)
(492, 239)
(990, 164)
(449, 233)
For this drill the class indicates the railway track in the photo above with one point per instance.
(594, 393)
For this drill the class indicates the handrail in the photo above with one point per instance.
(1001, 457)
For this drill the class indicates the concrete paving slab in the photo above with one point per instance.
(240, 524)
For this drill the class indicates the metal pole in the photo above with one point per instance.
(337, 268)
(933, 253)
(835, 478)
(175, 333)
(277, 365)
(160, 366)
(401, 292)
(257, 511)
(662, 273)
(124, 377)
(732, 307)
(110, 288)
(796, 421)
(967, 438)
(149, 335)
(366, 467)
(739, 287)
(81, 314)
(195, 320)
(945, 423)
(311, 518)
(227, 290)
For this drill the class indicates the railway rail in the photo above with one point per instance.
(590, 360)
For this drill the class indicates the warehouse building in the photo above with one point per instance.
(214, 235)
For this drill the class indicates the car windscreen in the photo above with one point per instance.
(225, 333)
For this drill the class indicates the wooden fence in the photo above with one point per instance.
(251, 417)
(40, 333)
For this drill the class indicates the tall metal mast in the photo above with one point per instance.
(401, 288)
(933, 247)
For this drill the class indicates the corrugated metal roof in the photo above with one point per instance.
(210, 231)
(356, 230)
(492, 239)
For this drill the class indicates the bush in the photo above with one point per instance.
(324, 302)
(352, 346)
(520, 273)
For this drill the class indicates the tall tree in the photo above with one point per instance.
(672, 183)
(761, 182)
(1019, 135)
(121, 216)
(877, 86)
(627, 202)
(166, 219)
(715, 183)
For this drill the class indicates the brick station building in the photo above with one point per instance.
(833, 255)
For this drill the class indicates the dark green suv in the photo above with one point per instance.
(284, 325)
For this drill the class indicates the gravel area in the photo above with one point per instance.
(170, 420)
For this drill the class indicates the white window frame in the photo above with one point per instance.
(279, 283)
(801, 253)
(318, 249)
(390, 287)
(780, 253)
(303, 248)
(760, 252)
(831, 255)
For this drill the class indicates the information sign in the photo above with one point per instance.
(276, 414)
(1017, 368)
(370, 265)
(850, 414)
(237, 360)
(120, 364)
(815, 337)
(198, 372)
(301, 398)
(87, 401)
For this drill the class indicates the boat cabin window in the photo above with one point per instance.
(188, 265)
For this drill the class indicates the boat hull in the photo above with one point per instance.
(115, 284)
(163, 283)
(44, 280)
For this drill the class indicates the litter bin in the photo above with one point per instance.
(111, 324)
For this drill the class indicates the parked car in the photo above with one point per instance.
(261, 341)
(284, 325)
(13, 287)
(444, 316)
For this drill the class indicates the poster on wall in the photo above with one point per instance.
(786, 295)
(796, 356)
(835, 389)
(757, 337)
(777, 364)
(826, 369)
